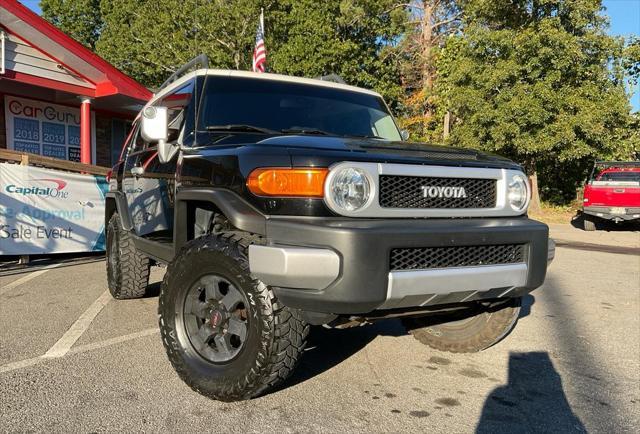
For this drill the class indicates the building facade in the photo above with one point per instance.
(57, 97)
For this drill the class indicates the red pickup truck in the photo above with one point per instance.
(612, 193)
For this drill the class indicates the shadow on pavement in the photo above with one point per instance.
(9, 266)
(525, 309)
(532, 401)
(153, 290)
(605, 225)
(327, 348)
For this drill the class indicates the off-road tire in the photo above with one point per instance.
(127, 268)
(276, 335)
(469, 335)
(588, 224)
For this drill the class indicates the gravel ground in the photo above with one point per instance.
(571, 364)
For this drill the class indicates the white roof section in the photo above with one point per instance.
(258, 76)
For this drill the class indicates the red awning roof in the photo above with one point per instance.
(98, 78)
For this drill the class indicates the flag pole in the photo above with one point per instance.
(262, 19)
(262, 25)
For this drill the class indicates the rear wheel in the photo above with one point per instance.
(127, 268)
(589, 224)
(468, 333)
(225, 333)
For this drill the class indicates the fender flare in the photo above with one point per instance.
(240, 214)
(121, 207)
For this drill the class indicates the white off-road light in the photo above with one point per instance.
(350, 188)
(518, 192)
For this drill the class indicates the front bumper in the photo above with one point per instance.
(607, 213)
(341, 266)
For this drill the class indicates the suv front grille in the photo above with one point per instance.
(455, 256)
(407, 192)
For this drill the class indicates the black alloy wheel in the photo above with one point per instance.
(215, 318)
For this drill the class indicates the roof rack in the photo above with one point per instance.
(202, 60)
(334, 78)
(618, 163)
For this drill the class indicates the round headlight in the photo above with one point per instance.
(517, 193)
(350, 189)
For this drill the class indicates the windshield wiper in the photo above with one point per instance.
(240, 128)
(313, 131)
(365, 136)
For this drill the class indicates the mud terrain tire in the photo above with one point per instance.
(127, 269)
(275, 335)
(467, 335)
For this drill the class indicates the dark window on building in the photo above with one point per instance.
(119, 130)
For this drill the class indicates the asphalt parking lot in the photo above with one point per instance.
(72, 359)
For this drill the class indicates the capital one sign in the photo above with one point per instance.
(48, 211)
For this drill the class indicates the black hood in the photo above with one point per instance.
(384, 151)
(311, 150)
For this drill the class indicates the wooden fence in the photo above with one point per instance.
(26, 159)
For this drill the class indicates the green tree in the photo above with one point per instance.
(539, 81)
(429, 23)
(631, 60)
(352, 38)
(80, 19)
(356, 39)
(150, 39)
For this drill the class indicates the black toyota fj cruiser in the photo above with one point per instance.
(281, 202)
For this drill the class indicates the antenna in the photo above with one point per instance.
(195, 81)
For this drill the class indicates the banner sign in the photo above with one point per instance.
(43, 128)
(48, 211)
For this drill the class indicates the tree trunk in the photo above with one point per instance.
(427, 45)
(447, 125)
(535, 204)
(530, 166)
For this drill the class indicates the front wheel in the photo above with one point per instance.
(225, 333)
(469, 334)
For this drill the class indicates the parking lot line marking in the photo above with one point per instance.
(20, 364)
(81, 349)
(76, 330)
(113, 341)
(8, 287)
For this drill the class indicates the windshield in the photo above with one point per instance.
(620, 176)
(249, 105)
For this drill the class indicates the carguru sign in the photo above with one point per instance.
(39, 127)
(48, 211)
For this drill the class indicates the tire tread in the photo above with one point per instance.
(134, 265)
(497, 326)
(281, 349)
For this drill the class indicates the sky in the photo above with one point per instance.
(624, 16)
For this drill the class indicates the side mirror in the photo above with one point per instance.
(155, 128)
(404, 134)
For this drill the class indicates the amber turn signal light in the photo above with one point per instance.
(287, 182)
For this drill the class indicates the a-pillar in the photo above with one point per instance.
(85, 130)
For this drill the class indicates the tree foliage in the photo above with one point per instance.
(631, 60)
(539, 81)
(352, 38)
(429, 24)
(81, 19)
(355, 39)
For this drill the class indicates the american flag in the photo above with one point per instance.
(260, 53)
